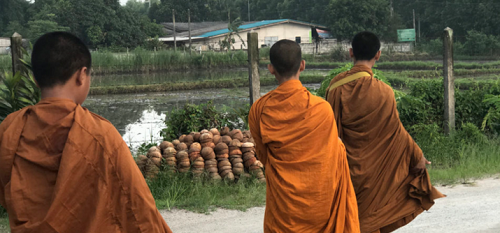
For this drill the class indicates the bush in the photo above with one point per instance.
(194, 118)
(478, 43)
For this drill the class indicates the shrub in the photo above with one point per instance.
(194, 118)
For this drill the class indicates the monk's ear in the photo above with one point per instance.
(302, 65)
(271, 69)
(82, 76)
(351, 53)
(377, 56)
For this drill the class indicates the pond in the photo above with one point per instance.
(140, 117)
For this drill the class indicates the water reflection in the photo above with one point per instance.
(139, 117)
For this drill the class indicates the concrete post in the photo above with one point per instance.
(175, 33)
(16, 44)
(253, 66)
(189, 28)
(449, 82)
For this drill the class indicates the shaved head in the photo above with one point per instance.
(286, 57)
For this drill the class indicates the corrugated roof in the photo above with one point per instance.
(254, 25)
(246, 26)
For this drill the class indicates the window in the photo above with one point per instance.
(297, 39)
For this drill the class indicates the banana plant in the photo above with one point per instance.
(18, 90)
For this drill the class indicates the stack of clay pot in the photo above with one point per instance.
(153, 164)
(168, 152)
(141, 161)
(183, 163)
(206, 139)
(196, 160)
(235, 157)
(208, 155)
(223, 164)
(254, 166)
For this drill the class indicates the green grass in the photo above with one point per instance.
(475, 161)
(182, 192)
(206, 84)
(4, 221)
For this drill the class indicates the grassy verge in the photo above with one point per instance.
(206, 84)
(459, 160)
(182, 192)
(4, 221)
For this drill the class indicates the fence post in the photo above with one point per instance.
(449, 82)
(16, 44)
(253, 66)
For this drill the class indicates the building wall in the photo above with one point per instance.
(267, 35)
(4, 44)
(328, 46)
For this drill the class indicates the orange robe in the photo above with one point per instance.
(381, 154)
(308, 183)
(65, 169)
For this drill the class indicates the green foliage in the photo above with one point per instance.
(346, 18)
(326, 82)
(182, 192)
(144, 147)
(194, 118)
(18, 90)
(478, 43)
(491, 121)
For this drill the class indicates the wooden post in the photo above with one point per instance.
(253, 66)
(175, 34)
(414, 27)
(449, 82)
(16, 43)
(189, 28)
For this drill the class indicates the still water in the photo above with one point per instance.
(140, 117)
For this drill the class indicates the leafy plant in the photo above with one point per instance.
(492, 119)
(326, 82)
(18, 90)
(194, 118)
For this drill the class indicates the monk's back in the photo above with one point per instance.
(66, 173)
(306, 169)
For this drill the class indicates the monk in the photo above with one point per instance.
(63, 168)
(387, 167)
(307, 175)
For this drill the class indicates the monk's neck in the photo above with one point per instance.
(283, 80)
(368, 64)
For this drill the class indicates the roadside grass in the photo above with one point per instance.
(180, 191)
(4, 221)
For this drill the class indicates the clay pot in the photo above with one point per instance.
(204, 131)
(188, 139)
(235, 143)
(195, 147)
(196, 137)
(155, 154)
(237, 161)
(220, 147)
(225, 131)
(206, 137)
(165, 144)
(169, 152)
(226, 139)
(249, 162)
(182, 155)
(176, 142)
(206, 151)
(223, 163)
(235, 152)
(181, 146)
(154, 149)
(247, 145)
(217, 139)
(181, 138)
(214, 131)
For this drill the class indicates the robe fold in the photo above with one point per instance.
(308, 183)
(65, 169)
(380, 152)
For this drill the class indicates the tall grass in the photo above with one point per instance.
(144, 61)
(181, 191)
(195, 85)
(5, 63)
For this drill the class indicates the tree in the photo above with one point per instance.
(346, 18)
(234, 29)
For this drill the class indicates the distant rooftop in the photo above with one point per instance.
(211, 29)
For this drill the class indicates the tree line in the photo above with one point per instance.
(104, 23)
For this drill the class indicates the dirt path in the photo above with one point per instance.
(471, 208)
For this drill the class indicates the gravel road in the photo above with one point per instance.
(472, 208)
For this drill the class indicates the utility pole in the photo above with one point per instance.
(449, 82)
(414, 28)
(392, 9)
(249, 10)
(189, 29)
(175, 33)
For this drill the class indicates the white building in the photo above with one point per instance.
(209, 35)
